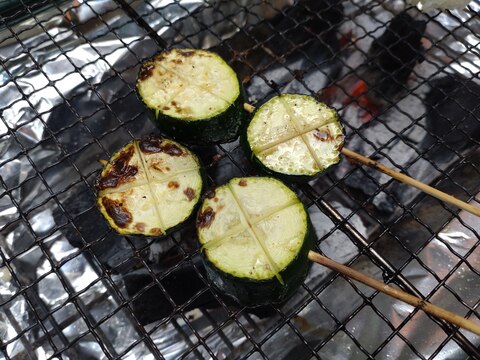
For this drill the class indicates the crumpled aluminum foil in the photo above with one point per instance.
(75, 66)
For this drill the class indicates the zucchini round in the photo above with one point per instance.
(149, 186)
(294, 137)
(195, 96)
(255, 236)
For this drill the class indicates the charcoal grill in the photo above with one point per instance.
(71, 288)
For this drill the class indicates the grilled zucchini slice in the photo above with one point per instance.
(294, 137)
(195, 95)
(255, 235)
(149, 186)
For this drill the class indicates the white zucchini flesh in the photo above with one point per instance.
(295, 135)
(252, 227)
(148, 190)
(188, 84)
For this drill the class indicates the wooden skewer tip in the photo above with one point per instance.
(427, 307)
(248, 107)
(410, 181)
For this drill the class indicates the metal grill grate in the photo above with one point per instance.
(70, 287)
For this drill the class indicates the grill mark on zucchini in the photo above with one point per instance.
(152, 181)
(152, 193)
(152, 145)
(146, 72)
(170, 100)
(120, 215)
(191, 83)
(173, 185)
(287, 138)
(238, 229)
(300, 133)
(205, 218)
(189, 193)
(202, 88)
(124, 188)
(215, 242)
(120, 173)
(253, 233)
(181, 172)
(199, 89)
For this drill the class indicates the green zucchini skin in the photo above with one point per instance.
(222, 128)
(263, 169)
(253, 293)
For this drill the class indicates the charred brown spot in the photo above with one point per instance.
(150, 144)
(242, 182)
(177, 61)
(120, 171)
(323, 135)
(115, 209)
(146, 71)
(156, 231)
(187, 53)
(140, 227)
(179, 108)
(160, 57)
(173, 185)
(154, 144)
(166, 108)
(172, 149)
(205, 218)
(210, 194)
(158, 166)
(189, 193)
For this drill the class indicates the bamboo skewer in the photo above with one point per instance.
(426, 306)
(410, 181)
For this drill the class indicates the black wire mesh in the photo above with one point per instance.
(103, 280)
